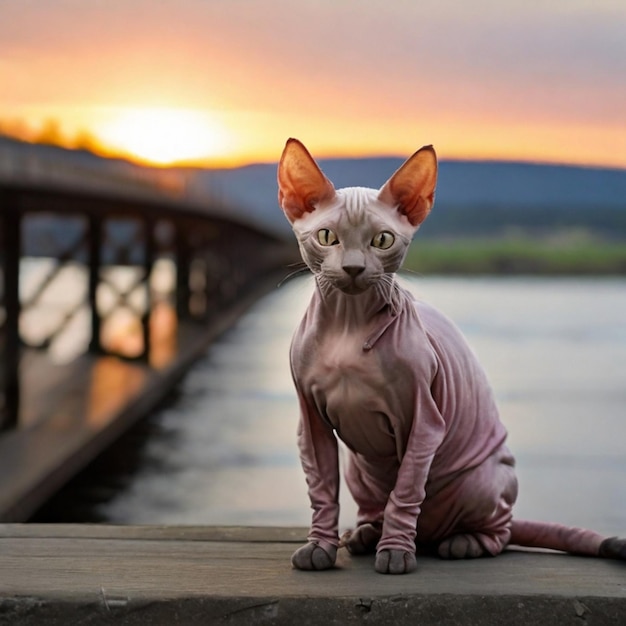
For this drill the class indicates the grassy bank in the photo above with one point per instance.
(517, 255)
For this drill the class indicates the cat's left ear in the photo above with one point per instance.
(412, 187)
(301, 183)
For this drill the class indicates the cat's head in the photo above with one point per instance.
(351, 238)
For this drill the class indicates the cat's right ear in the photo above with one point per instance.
(412, 188)
(301, 183)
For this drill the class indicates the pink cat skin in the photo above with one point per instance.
(394, 380)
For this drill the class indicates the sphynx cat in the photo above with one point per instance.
(394, 379)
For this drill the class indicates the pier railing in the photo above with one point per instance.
(91, 271)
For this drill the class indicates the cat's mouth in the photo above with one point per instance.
(350, 285)
(353, 287)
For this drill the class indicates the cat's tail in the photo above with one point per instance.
(566, 539)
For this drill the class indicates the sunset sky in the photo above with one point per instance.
(227, 81)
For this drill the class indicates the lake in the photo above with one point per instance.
(223, 451)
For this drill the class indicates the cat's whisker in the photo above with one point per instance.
(325, 284)
(301, 270)
(406, 270)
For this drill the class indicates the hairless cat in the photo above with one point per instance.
(394, 379)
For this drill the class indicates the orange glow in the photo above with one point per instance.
(179, 136)
(163, 136)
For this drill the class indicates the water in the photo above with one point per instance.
(224, 452)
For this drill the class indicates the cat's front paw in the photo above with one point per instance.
(395, 562)
(313, 557)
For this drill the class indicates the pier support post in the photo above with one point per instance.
(182, 270)
(95, 261)
(13, 243)
(148, 262)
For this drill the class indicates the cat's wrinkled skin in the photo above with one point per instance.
(394, 379)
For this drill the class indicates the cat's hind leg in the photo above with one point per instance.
(474, 511)
(472, 545)
(363, 539)
(370, 495)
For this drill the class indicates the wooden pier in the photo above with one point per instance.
(91, 242)
(70, 413)
(140, 575)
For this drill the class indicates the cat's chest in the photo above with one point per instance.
(358, 390)
(341, 363)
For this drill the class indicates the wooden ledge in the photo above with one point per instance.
(167, 575)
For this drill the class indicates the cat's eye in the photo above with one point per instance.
(383, 241)
(327, 237)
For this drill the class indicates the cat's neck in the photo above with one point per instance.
(353, 311)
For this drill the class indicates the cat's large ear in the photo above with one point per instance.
(301, 183)
(412, 187)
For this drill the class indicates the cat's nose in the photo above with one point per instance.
(353, 263)
(353, 270)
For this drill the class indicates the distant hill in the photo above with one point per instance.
(473, 197)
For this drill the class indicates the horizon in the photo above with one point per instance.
(105, 151)
(191, 166)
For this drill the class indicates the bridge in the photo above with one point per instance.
(113, 280)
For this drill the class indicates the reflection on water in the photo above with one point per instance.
(224, 452)
(555, 350)
(54, 308)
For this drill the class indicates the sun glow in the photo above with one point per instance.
(164, 136)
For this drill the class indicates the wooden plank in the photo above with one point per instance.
(148, 575)
(137, 563)
(249, 534)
